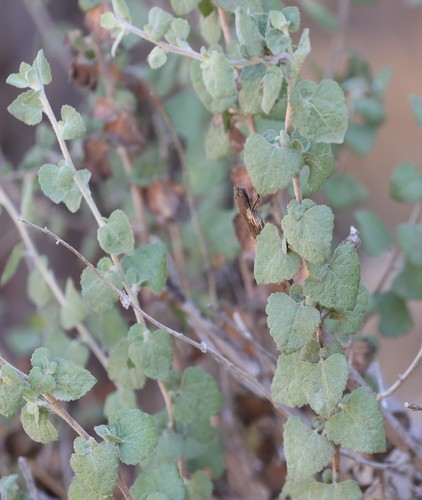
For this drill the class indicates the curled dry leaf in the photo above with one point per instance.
(84, 71)
(165, 199)
(92, 22)
(96, 158)
(124, 131)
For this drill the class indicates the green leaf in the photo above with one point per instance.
(42, 68)
(24, 78)
(178, 32)
(219, 79)
(122, 368)
(299, 55)
(310, 489)
(292, 14)
(351, 320)
(58, 183)
(406, 183)
(121, 9)
(408, 283)
(85, 5)
(248, 33)
(12, 264)
(336, 284)
(154, 355)
(272, 83)
(183, 7)
(116, 236)
(270, 166)
(74, 310)
(306, 451)
(326, 383)
(71, 124)
(210, 26)
(410, 241)
(95, 466)
(138, 433)
(292, 368)
(121, 398)
(159, 483)
(321, 164)
(38, 290)
(359, 424)
(343, 190)
(308, 228)
(158, 23)
(11, 391)
(147, 267)
(374, 234)
(273, 263)
(199, 486)
(291, 324)
(36, 423)
(99, 296)
(276, 41)
(199, 397)
(370, 109)
(251, 89)
(9, 488)
(360, 137)
(395, 317)
(109, 22)
(320, 14)
(27, 107)
(64, 379)
(217, 145)
(61, 345)
(319, 111)
(213, 105)
(416, 105)
(157, 58)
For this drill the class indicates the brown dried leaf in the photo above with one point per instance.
(165, 199)
(92, 22)
(240, 177)
(96, 157)
(124, 131)
(237, 139)
(84, 72)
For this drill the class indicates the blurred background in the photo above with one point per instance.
(387, 33)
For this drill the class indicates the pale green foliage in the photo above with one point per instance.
(270, 166)
(36, 287)
(309, 489)
(158, 23)
(273, 261)
(347, 322)
(321, 164)
(272, 83)
(71, 125)
(410, 241)
(152, 482)
(306, 451)
(289, 368)
(116, 236)
(183, 7)
(74, 310)
(299, 55)
(406, 183)
(408, 283)
(27, 107)
(36, 423)
(199, 486)
(248, 33)
(157, 58)
(219, 78)
(359, 424)
(343, 190)
(12, 264)
(121, 398)
(308, 228)
(373, 232)
(11, 391)
(395, 318)
(9, 488)
(291, 324)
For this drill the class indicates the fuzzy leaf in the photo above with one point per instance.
(395, 317)
(326, 383)
(291, 324)
(138, 433)
(217, 145)
(410, 241)
(27, 107)
(122, 368)
(359, 425)
(351, 320)
(38, 290)
(199, 487)
(116, 236)
(406, 183)
(219, 78)
(99, 296)
(151, 484)
(210, 26)
(408, 283)
(156, 58)
(321, 164)
(199, 398)
(373, 232)
(344, 190)
(287, 386)
(36, 423)
(270, 166)
(273, 264)
(308, 228)
(9, 488)
(74, 309)
(336, 284)
(183, 7)
(12, 264)
(311, 490)
(306, 451)
(248, 33)
(276, 41)
(11, 391)
(71, 124)
(251, 91)
(299, 55)
(272, 83)
(95, 466)
(42, 68)
(158, 23)
(121, 398)
(319, 111)
(211, 104)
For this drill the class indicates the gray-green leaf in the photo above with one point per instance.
(219, 78)
(291, 324)
(321, 164)
(27, 107)
(287, 386)
(373, 232)
(74, 310)
(71, 124)
(406, 183)
(351, 320)
(11, 391)
(116, 236)
(272, 83)
(319, 111)
(36, 423)
(410, 241)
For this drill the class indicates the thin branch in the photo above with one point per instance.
(49, 277)
(356, 457)
(29, 478)
(190, 198)
(338, 41)
(225, 28)
(402, 377)
(413, 406)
